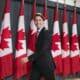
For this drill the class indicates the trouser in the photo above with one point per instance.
(37, 73)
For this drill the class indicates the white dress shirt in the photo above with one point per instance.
(39, 30)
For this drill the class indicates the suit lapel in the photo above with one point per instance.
(41, 32)
(39, 36)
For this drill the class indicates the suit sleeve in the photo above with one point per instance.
(45, 46)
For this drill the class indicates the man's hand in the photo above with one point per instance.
(24, 60)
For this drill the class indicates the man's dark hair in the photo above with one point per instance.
(39, 14)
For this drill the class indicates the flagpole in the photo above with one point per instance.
(46, 2)
(57, 2)
(75, 3)
(64, 3)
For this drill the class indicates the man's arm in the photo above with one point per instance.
(46, 45)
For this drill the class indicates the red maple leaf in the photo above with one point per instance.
(65, 41)
(55, 40)
(6, 33)
(74, 40)
(20, 36)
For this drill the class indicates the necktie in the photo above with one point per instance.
(37, 33)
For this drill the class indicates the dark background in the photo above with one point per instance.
(14, 6)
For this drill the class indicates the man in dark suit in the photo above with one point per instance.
(42, 61)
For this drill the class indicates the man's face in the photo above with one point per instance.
(39, 22)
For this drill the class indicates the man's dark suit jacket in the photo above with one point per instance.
(42, 57)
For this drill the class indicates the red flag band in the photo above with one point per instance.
(20, 69)
(6, 58)
(65, 46)
(74, 46)
(56, 44)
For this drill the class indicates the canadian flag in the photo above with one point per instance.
(20, 69)
(79, 52)
(45, 14)
(74, 46)
(32, 37)
(65, 45)
(6, 56)
(56, 44)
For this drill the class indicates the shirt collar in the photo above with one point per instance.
(39, 30)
